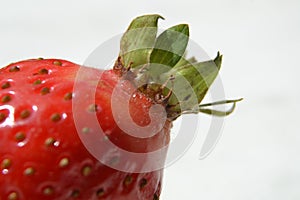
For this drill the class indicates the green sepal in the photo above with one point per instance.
(139, 39)
(190, 84)
(170, 45)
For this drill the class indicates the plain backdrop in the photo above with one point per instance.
(257, 157)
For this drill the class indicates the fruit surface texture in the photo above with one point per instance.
(55, 114)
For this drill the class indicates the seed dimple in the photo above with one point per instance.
(47, 191)
(6, 163)
(5, 99)
(45, 90)
(55, 117)
(25, 114)
(86, 170)
(5, 85)
(57, 62)
(14, 69)
(143, 183)
(20, 136)
(29, 171)
(13, 196)
(68, 96)
(100, 192)
(64, 162)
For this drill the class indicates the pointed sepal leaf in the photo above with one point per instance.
(139, 39)
(170, 45)
(192, 79)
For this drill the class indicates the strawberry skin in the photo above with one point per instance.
(41, 153)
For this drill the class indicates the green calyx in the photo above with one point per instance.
(163, 71)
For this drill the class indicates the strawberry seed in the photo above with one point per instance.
(5, 85)
(45, 90)
(75, 193)
(55, 117)
(85, 130)
(2, 117)
(143, 183)
(49, 141)
(92, 108)
(68, 96)
(5, 99)
(100, 192)
(43, 71)
(24, 114)
(14, 69)
(128, 180)
(86, 170)
(48, 191)
(57, 62)
(29, 171)
(13, 196)
(37, 82)
(20, 136)
(64, 162)
(6, 163)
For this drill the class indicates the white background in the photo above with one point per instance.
(257, 156)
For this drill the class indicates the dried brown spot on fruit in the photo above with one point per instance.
(55, 117)
(14, 69)
(25, 114)
(29, 171)
(45, 90)
(13, 196)
(5, 98)
(5, 85)
(20, 136)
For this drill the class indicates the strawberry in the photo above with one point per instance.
(54, 116)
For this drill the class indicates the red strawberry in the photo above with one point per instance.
(48, 110)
